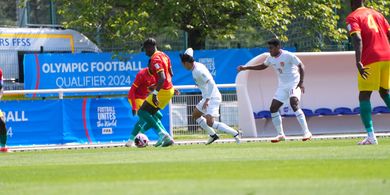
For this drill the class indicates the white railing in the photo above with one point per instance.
(61, 92)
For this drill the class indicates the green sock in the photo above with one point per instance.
(150, 120)
(365, 115)
(138, 127)
(387, 100)
(158, 116)
(3, 133)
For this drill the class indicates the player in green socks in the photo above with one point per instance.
(161, 69)
(370, 32)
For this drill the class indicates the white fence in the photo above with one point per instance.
(181, 106)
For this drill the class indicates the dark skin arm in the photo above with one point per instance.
(301, 76)
(358, 46)
(256, 67)
(388, 35)
(160, 82)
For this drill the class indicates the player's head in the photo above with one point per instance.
(356, 4)
(274, 46)
(187, 58)
(150, 46)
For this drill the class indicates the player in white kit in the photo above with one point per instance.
(289, 69)
(208, 108)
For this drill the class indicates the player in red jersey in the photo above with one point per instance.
(160, 67)
(3, 129)
(143, 84)
(370, 32)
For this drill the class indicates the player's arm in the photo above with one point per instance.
(358, 45)
(160, 82)
(301, 77)
(256, 67)
(131, 97)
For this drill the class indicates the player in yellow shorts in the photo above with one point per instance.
(370, 32)
(143, 84)
(161, 69)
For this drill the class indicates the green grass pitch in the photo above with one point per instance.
(292, 167)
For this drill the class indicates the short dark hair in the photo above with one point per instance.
(186, 58)
(150, 42)
(274, 42)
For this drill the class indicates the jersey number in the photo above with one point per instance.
(372, 24)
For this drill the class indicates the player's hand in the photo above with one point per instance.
(155, 100)
(300, 85)
(134, 112)
(362, 70)
(205, 105)
(240, 68)
(177, 92)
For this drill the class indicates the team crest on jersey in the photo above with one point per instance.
(282, 64)
(157, 66)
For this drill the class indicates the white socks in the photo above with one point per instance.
(225, 128)
(302, 120)
(277, 121)
(202, 123)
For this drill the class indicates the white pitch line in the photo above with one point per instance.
(190, 142)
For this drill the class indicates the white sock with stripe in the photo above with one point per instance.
(203, 124)
(302, 120)
(225, 128)
(277, 121)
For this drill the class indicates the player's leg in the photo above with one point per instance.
(211, 112)
(158, 116)
(277, 120)
(138, 127)
(165, 96)
(365, 115)
(366, 86)
(197, 115)
(385, 82)
(146, 113)
(3, 134)
(294, 102)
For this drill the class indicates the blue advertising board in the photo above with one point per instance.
(94, 70)
(66, 121)
(81, 70)
(33, 122)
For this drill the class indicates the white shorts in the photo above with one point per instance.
(212, 109)
(284, 93)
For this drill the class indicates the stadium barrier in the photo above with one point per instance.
(97, 120)
(330, 101)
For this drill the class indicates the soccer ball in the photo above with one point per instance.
(141, 140)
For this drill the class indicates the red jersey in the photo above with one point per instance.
(140, 88)
(161, 62)
(373, 28)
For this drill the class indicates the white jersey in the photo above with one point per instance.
(205, 81)
(286, 67)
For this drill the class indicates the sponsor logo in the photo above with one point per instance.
(106, 131)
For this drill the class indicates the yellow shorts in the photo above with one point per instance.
(164, 96)
(138, 103)
(379, 77)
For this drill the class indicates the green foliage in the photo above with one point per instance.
(109, 22)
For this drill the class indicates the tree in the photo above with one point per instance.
(118, 21)
(107, 22)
